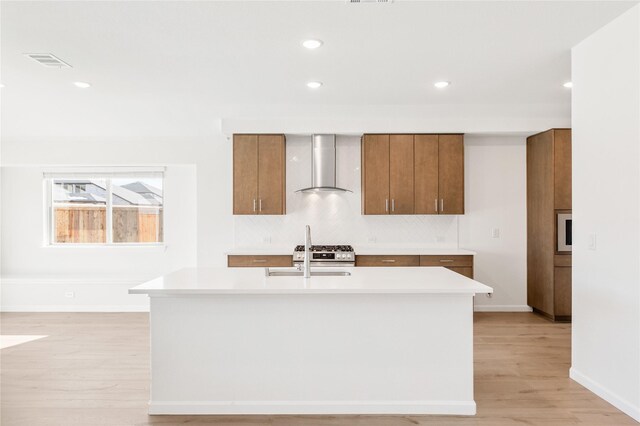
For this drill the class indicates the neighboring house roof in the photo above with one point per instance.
(62, 195)
(143, 188)
(96, 193)
(151, 193)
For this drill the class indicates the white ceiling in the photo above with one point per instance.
(194, 60)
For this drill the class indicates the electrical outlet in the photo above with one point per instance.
(591, 244)
(495, 233)
(70, 294)
(372, 239)
(267, 240)
(439, 239)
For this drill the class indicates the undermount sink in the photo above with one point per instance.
(296, 273)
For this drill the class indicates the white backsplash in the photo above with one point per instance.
(336, 218)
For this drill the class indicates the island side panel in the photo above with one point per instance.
(312, 354)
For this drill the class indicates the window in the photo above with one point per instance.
(105, 208)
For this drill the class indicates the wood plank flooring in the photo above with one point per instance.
(93, 369)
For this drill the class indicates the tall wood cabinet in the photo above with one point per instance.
(548, 194)
(259, 174)
(412, 174)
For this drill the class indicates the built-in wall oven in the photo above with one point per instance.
(564, 230)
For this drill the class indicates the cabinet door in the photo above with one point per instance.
(426, 174)
(401, 174)
(451, 174)
(245, 174)
(375, 174)
(562, 168)
(271, 174)
(562, 292)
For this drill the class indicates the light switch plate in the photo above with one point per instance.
(591, 245)
(495, 233)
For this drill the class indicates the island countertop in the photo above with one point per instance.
(391, 280)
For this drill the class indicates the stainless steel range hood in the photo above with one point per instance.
(323, 165)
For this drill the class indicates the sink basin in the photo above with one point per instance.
(290, 273)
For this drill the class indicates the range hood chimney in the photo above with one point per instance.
(323, 165)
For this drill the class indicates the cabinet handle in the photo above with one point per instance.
(259, 260)
(446, 260)
(254, 204)
(386, 204)
(260, 204)
(388, 261)
(441, 205)
(393, 205)
(436, 201)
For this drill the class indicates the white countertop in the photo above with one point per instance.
(359, 249)
(394, 280)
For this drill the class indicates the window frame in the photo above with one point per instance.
(49, 222)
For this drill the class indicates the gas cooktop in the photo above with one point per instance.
(327, 255)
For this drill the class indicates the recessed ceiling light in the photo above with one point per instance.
(442, 84)
(312, 43)
(314, 84)
(82, 84)
(568, 85)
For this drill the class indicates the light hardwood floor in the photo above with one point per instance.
(93, 369)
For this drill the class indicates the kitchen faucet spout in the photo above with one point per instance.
(307, 252)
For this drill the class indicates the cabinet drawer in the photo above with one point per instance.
(381, 260)
(448, 261)
(259, 261)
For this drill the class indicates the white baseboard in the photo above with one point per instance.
(460, 408)
(604, 393)
(74, 308)
(502, 308)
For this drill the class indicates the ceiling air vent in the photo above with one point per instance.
(48, 60)
(369, 1)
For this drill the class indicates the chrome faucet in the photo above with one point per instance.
(307, 251)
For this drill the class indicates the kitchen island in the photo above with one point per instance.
(378, 341)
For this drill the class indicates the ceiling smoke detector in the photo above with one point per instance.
(48, 60)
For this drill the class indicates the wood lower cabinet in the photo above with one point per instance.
(257, 261)
(412, 174)
(259, 174)
(387, 260)
(462, 264)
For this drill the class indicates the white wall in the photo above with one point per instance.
(495, 195)
(606, 204)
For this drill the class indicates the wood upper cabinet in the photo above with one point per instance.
(426, 174)
(451, 174)
(259, 174)
(375, 174)
(401, 166)
(413, 174)
(387, 174)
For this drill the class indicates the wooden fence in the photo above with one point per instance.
(88, 224)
